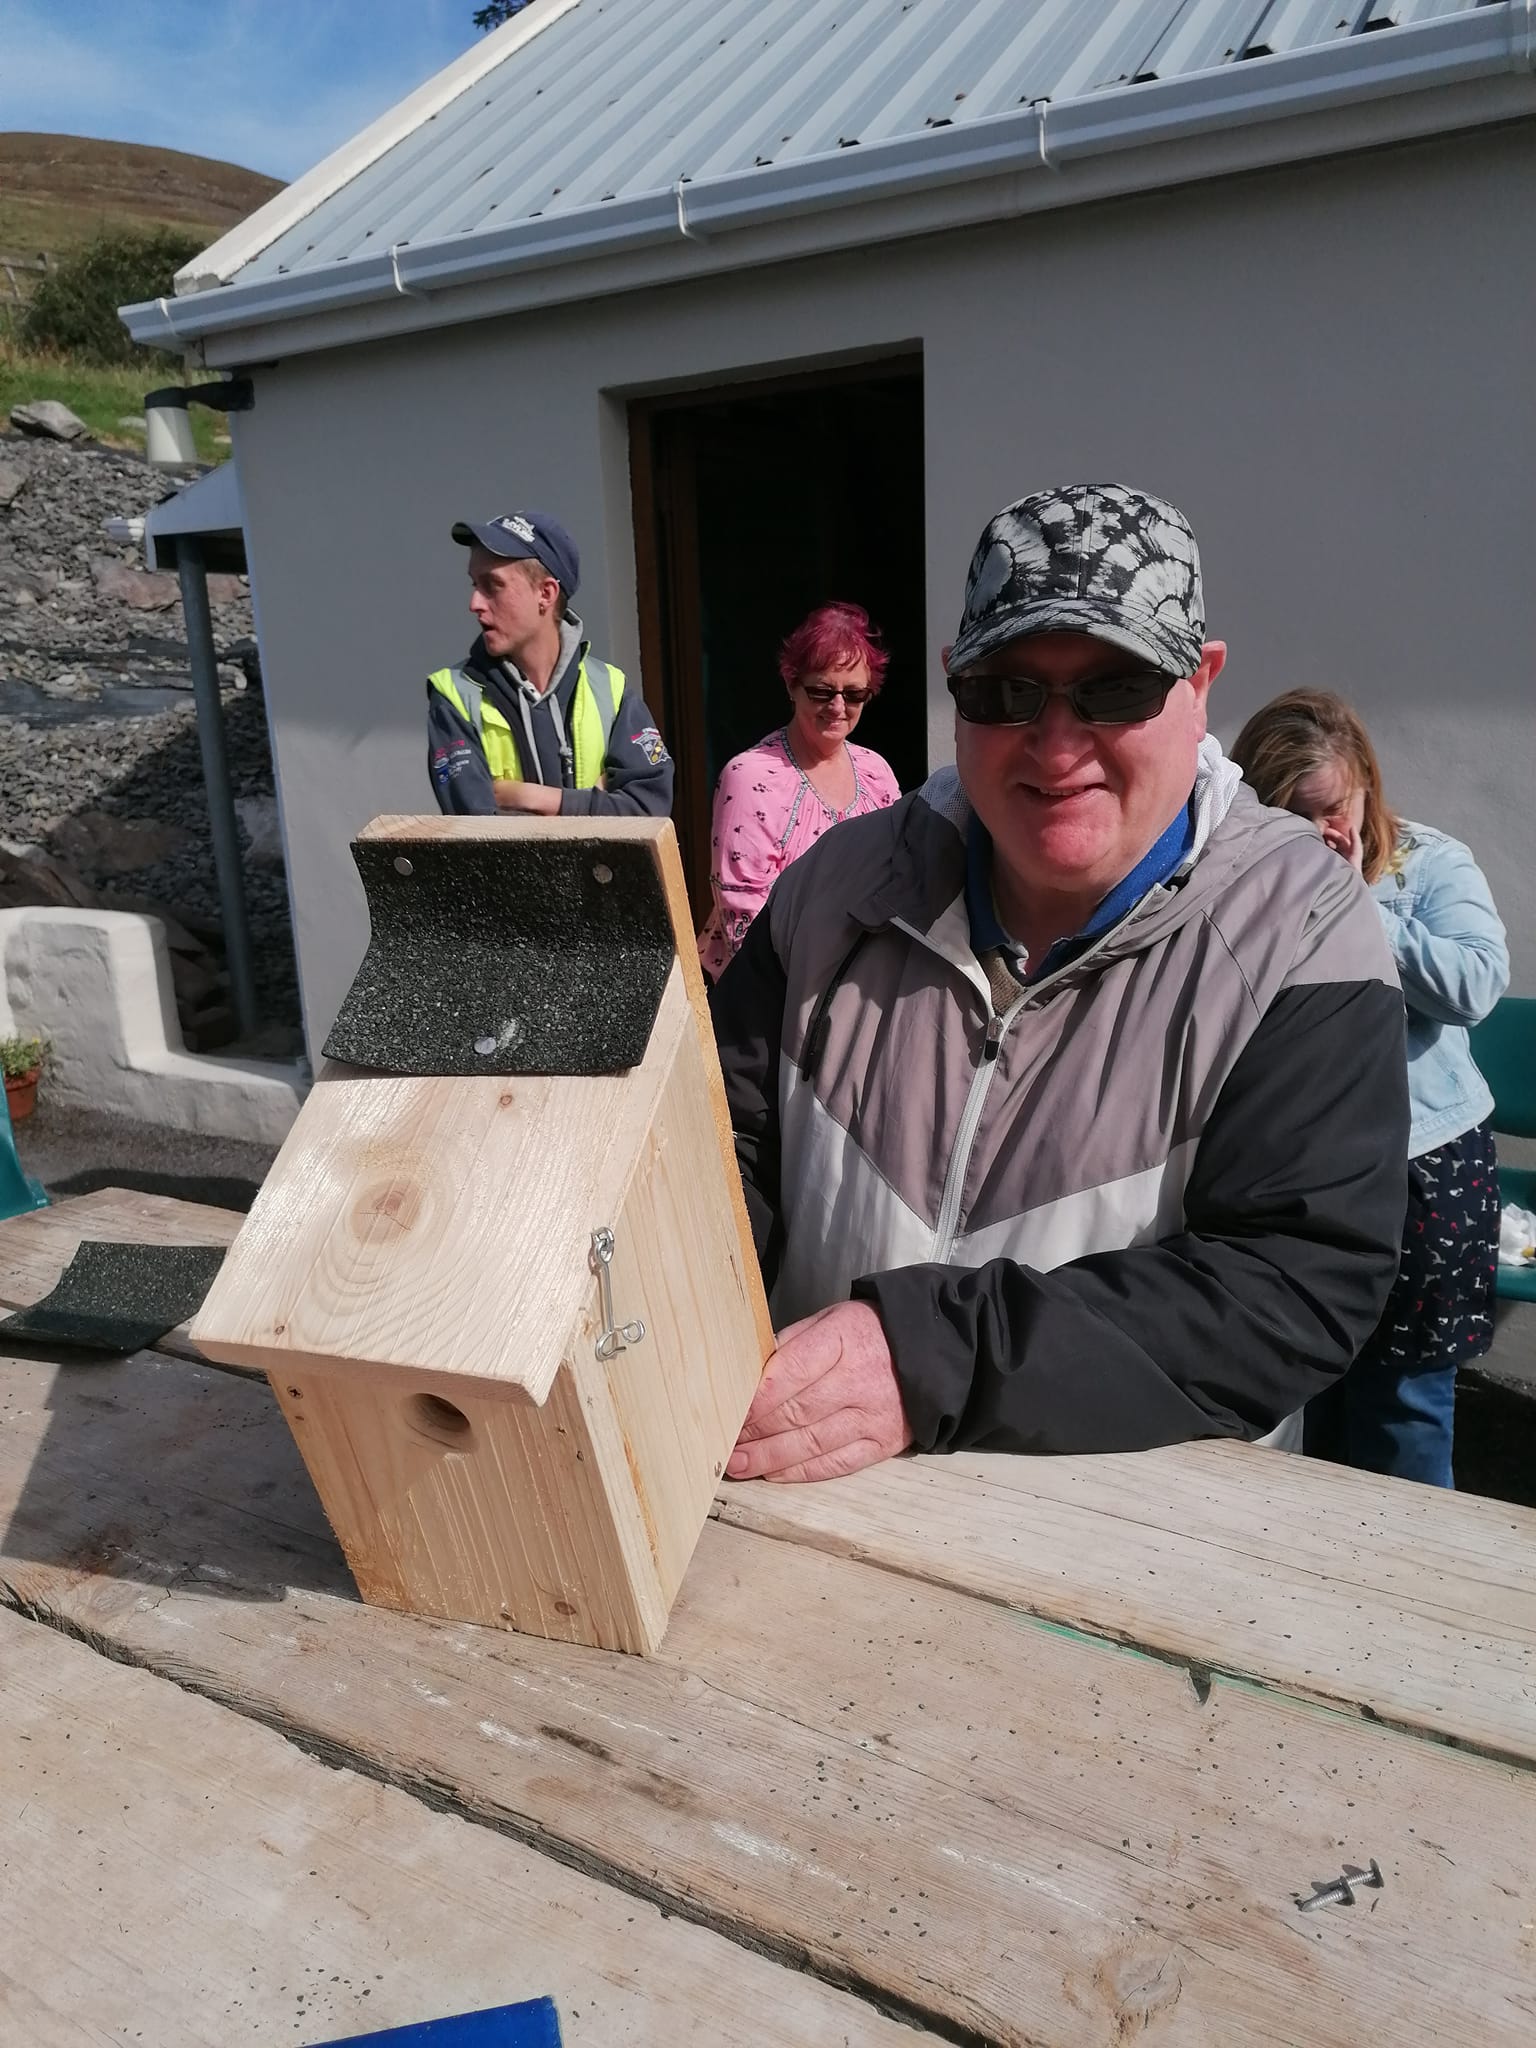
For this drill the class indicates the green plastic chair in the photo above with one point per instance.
(1504, 1046)
(19, 1192)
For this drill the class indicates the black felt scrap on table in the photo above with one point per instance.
(506, 956)
(120, 1297)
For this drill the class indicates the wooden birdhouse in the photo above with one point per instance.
(500, 1276)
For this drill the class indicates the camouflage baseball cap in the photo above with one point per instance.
(1087, 558)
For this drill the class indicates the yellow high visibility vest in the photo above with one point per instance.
(594, 706)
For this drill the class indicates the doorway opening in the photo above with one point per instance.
(754, 503)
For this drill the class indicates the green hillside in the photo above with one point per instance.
(59, 191)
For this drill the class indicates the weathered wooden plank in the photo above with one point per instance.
(171, 1872)
(35, 1248)
(1022, 1834)
(1216, 1553)
(1405, 1602)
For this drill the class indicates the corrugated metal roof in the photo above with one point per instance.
(614, 100)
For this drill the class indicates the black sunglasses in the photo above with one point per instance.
(1019, 700)
(820, 694)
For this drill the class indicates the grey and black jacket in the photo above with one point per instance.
(637, 768)
(1160, 1196)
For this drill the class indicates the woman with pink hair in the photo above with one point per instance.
(779, 797)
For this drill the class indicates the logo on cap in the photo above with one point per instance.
(517, 525)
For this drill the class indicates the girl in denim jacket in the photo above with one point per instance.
(1393, 1410)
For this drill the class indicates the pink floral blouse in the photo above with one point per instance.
(766, 814)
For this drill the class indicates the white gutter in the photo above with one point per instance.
(285, 209)
(1488, 42)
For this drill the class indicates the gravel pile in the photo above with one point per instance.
(97, 724)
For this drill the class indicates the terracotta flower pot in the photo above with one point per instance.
(21, 1094)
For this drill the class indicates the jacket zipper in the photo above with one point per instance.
(965, 1136)
(981, 1081)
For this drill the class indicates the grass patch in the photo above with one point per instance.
(28, 226)
(103, 396)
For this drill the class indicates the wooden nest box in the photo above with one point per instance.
(500, 1276)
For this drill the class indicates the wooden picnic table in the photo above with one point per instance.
(993, 1749)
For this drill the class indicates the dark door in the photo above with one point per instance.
(753, 504)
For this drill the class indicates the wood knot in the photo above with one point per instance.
(1139, 1983)
(396, 1201)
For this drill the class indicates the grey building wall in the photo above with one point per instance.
(1328, 368)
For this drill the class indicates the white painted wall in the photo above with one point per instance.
(1328, 368)
(96, 984)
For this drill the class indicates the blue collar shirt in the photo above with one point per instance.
(1158, 864)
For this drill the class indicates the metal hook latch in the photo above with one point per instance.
(612, 1338)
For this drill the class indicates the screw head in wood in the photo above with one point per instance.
(493, 1041)
(403, 866)
(602, 873)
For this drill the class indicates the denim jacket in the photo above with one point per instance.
(1448, 943)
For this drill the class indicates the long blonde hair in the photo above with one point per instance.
(1306, 731)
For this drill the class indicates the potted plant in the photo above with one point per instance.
(21, 1062)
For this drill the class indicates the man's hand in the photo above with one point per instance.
(828, 1402)
(528, 798)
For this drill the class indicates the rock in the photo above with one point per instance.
(13, 481)
(140, 759)
(72, 685)
(104, 845)
(188, 933)
(132, 423)
(248, 657)
(226, 589)
(28, 878)
(23, 586)
(46, 419)
(143, 590)
(264, 838)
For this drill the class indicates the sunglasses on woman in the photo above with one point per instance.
(1019, 700)
(820, 694)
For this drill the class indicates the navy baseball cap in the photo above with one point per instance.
(1100, 559)
(526, 537)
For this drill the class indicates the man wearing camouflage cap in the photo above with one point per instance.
(1069, 1093)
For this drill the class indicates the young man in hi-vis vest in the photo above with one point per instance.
(531, 720)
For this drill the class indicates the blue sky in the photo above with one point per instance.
(271, 84)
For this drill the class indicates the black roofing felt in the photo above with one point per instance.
(506, 956)
(119, 1297)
